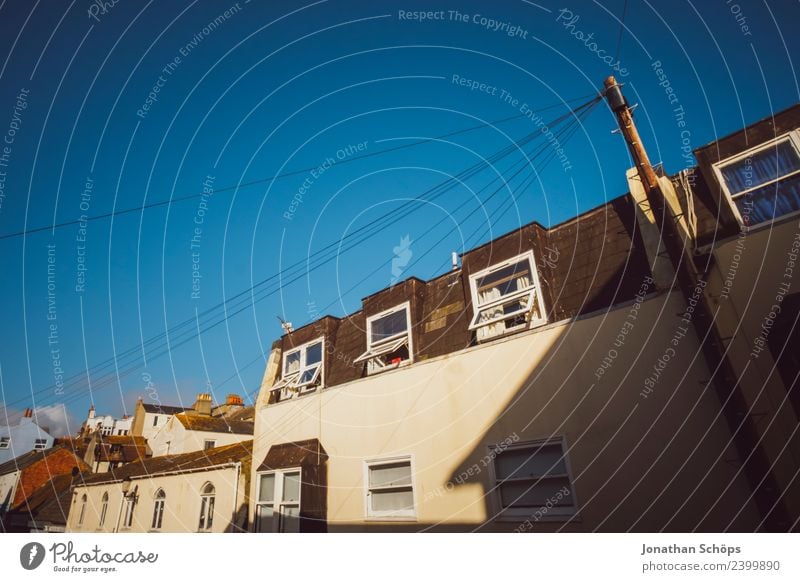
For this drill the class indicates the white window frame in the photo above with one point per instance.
(534, 294)
(409, 515)
(793, 137)
(129, 502)
(83, 500)
(278, 504)
(158, 509)
(387, 345)
(103, 510)
(5, 442)
(289, 384)
(206, 443)
(521, 514)
(39, 444)
(208, 502)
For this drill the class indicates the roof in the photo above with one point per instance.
(28, 459)
(163, 409)
(196, 460)
(296, 454)
(55, 510)
(48, 499)
(215, 424)
(125, 448)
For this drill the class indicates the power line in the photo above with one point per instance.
(442, 187)
(280, 176)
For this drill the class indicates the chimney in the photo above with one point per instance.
(203, 404)
(454, 259)
(91, 412)
(27, 416)
(233, 400)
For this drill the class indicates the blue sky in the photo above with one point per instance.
(148, 102)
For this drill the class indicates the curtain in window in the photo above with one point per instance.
(488, 294)
(762, 167)
(770, 202)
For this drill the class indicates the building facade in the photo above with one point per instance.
(205, 492)
(26, 436)
(556, 381)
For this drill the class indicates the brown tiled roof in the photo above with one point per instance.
(46, 492)
(296, 454)
(215, 424)
(26, 460)
(55, 509)
(195, 460)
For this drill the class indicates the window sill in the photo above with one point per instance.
(392, 519)
(559, 518)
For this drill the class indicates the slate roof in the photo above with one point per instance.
(153, 466)
(215, 424)
(164, 409)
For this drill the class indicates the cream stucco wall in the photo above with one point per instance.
(182, 507)
(8, 487)
(640, 461)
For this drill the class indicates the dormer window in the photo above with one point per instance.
(763, 183)
(302, 370)
(388, 339)
(506, 297)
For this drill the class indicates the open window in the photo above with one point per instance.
(763, 183)
(302, 370)
(388, 339)
(506, 297)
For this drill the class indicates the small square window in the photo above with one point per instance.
(209, 444)
(533, 479)
(40, 444)
(389, 342)
(763, 183)
(390, 488)
(5, 442)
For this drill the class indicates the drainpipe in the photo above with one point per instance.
(756, 465)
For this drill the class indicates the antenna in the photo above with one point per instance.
(286, 325)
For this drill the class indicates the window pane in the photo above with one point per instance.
(399, 500)
(533, 462)
(290, 519)
(390, 475)
(291, 486)
(314, 354)
(505, 281)
(308, 375)
(533, 494)
(292, 363)
(771, 201)
(389, 325)
(266, 488)
(764, 166)
(265, 518)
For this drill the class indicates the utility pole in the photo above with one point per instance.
(691, 281)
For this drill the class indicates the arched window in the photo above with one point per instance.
(103, 509)
(158, 509)
(82, 514)
(207, 495)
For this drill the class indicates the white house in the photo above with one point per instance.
(107, 425)
(25, 436)
(204, 491)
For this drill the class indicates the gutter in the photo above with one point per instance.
(227, 465)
